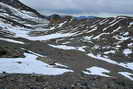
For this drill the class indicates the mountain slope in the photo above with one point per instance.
(21, 6)
(63, 52)
(110, 37)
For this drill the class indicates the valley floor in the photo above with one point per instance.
(67, 69)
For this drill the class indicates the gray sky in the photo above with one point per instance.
(84, 7)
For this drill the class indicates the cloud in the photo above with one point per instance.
(83, 6)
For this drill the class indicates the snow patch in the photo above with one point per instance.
(102, 58)
(60, 65)
(97, 71)
(127, 75)
(29, 65)
(98, 36)
(94, 29)
(61, 24)
(130, 45)
(111, 51)
(125, 65)
(50, 36)
(65, 47)
(127, 51)
(11, 40)
(130, 24)
(117, 29)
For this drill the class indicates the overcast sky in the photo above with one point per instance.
(84, 7)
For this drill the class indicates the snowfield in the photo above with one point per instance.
(29, 65)
(24, 33)
(97, 71)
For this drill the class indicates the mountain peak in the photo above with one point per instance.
(21, 6)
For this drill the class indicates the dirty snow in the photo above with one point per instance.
(97, 71)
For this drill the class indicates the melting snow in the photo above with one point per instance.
(104, 21)
(24, 33)
(111, 51)
(52, 28)
(126, 34)
(61, 24)
(102, 58)
(125, 65)
(112, 21)
(87, 38)
(97, 71)
(127, 75)
(16, 12)
(50, 36)
(29, 65)
(122, 38)
(130, 24)
(65, 47)
(21, 32)
(130, 45)
(115, 23)
(92, 26)
(11, 40)
(117, 29)
(127, 51)
(98, 36)
(58, 64)
(94, 29)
